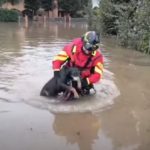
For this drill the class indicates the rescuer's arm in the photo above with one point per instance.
(61, 59)
(97, 75)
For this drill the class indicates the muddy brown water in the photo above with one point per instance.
(116, 118)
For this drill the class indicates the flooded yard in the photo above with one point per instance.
(116, 118)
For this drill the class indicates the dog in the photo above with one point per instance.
(57, 85)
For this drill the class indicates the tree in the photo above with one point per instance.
(89, 14)
(129, 19)
(84, 4)
(72, 6)
(32, 5)
(110, 14)
(13, 2)
(133, 24)
(47, 5)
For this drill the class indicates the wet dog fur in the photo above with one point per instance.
(57, 85)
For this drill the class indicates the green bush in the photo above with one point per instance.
(8, 15)
(128, 19)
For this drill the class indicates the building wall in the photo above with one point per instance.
(20, 7)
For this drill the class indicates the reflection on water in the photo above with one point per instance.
(26, 67)
(83, 130)
(34, 129)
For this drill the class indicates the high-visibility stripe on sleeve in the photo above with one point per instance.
(99, 68)
(100, 65)
(98, 71)
(63, 53)
(88, 81)
(61, 58)
(56, 69)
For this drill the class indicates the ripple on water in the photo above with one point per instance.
(23, 78)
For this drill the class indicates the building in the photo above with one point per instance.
(20, 7)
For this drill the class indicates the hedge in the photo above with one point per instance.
(8, 15)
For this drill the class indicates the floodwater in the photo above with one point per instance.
(115, 118)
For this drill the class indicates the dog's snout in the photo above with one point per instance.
(75, 78)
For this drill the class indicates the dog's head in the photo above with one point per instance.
(74, 73)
